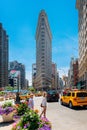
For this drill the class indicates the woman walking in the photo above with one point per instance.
(44, 105)
(31, 102)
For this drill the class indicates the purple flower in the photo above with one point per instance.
(45, 128)
(25, 126)
(18, 128)
(28, 124)
(16, 117)
(6, 110)
(1, 110)
(44, 119)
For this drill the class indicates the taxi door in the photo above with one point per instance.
(67, 98)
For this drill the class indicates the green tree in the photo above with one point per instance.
(9, 88)
(32, 89)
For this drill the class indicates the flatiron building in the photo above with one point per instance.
(43, 53)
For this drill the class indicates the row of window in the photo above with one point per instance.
(82, 94)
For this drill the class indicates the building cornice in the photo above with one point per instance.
(77, 4)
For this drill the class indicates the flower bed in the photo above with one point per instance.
(45, 124)
(31, 121)
(7, 111)
(27, 119)
(21, 108)
(20, 111)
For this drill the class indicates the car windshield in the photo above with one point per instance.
(52, 92)
(82, 94)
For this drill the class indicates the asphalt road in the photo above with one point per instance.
(62, 118)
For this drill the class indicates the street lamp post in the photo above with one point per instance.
(17, 94)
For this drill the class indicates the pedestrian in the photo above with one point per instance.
(44, 105)
(31, 102)
(17, 101)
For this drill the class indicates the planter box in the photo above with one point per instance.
(7, 118)
(1, 98)
(16, 118)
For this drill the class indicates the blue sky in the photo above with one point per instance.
(19, 18)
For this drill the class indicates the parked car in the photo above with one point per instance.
(52, 95)
(74, 98)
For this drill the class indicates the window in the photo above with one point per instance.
(42, 57)
(73, 94)
(42, 19)
(42, 24)
(68, 94)
(42, 46)
(42, 71)
(43, 75)
(42, 49)
(42, 32)
(42, 53)
(82, 94)
(42, 42)
(42, 39)
(42, 35)
(43, 64)
(42, 60)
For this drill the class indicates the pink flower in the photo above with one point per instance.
(15, 125)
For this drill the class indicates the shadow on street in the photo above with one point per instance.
(3, 124)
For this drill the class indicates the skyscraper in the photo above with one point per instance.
(81, 5)
(14, 65)
(43, 52)
(3, 57)
(54, 76)
(33, 74)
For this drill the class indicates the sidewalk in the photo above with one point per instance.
(5, 126)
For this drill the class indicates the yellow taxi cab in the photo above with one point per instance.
(24, 97)
(74, 98)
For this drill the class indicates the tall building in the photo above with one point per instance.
(70, 74)
(81, 5)
(14, 65)
(3, 57)
(54, 76)
(33, 75)
(61, 85)
(65, 81)
(43, 52)
(15, 79)
(73, 73)
(26, 83)
(58, 82)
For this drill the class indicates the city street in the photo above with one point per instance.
(62, 118)
(43, 47)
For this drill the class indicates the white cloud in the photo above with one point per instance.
(63, 71)
(29, 77)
